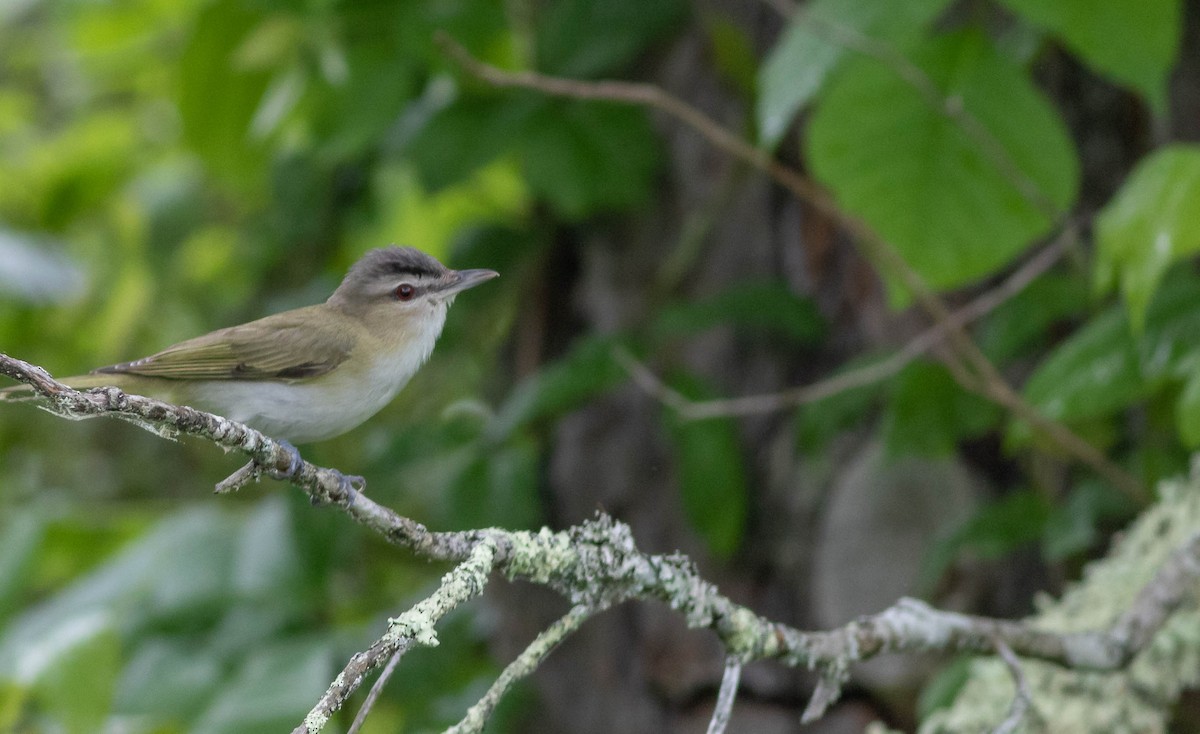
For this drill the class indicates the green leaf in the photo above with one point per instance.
(169, 679)
(20, 538)
(1149, 224)
(585, 158)
(921, 181)
(217, 98)
(587, 370)
(1023, 325)
(941, 689)
(810, 50)
(771, 307)
(77, 687)
(1093, 373)
(1074, 526)
(732, 53)
(1104, 367)
(1135, 43)
(994, 531)
(588, 38)
(929, 413)
(497, 488)
(273, 689)
(712, 475)
(1187, 413)
(819, 421)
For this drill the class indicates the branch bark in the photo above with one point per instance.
(597, 564)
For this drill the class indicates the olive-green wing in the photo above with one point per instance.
(286, 346)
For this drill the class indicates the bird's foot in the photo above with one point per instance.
(294, 462)
(351, 485)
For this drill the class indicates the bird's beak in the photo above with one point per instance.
(460, 280)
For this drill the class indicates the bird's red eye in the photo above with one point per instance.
(405, 292)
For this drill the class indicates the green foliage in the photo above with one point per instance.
(173, 167)
(958, 201)
(821, 39)
(1105, 366)
(1149, 225)
(1007, 524)
(711, 475)
(929, 413)
(749, 306)
(1134, 43)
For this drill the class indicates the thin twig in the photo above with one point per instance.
(988, 381)
(1022, 705)
(870, 374)
(373, 695)
(726, 696)
(521, 667)
(414, 627)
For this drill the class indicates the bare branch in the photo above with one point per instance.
(986, 380)
(416, 626)
(1022, 705)
(373, 695)
(794, 397)
(726, 696)
(524, 664)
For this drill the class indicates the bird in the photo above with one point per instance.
(311, 373)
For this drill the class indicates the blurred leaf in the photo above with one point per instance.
(1188, 412)
(586, 371)
(588, 38)
(217, 99)
(1134, 43)
(1022, 325)
(1092, 373)
(1074, 525)
(712, 475)
(30, 270)
(1169, 344)
(273, 689)
(180, 570)
(76, 688)
(498, 488)
(168, 680)
(21, 536)
(941, 690)
(771, 307)
(926, 185)
(492, 195)
(823, 419)
(454, 138)
(812, 48)
(929, 413)
(733, 53)
(994, 531)
(266, 564)
(1149, 224)
(588, 157)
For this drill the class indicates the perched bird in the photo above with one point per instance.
(311, 373)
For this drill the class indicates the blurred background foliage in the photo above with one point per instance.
(168, 167)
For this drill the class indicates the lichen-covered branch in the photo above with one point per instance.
(726, 696)
(414, 627)
(597, 564)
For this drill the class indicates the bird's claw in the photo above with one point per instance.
(294, 462)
